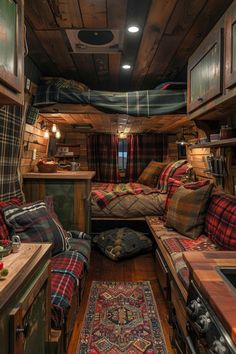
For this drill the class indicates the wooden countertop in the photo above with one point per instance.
(203, 268)
(61, 175)
(19, 266)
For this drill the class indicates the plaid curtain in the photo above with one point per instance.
(142, 148)
(11, 124)
(103, 157)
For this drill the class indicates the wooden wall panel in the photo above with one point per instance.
(33, 139)
(78, 138)
(172, 150)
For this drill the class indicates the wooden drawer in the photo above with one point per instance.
(162, 274)
(180, 307)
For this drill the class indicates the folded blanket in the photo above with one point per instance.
(168, 172)
(109, 191)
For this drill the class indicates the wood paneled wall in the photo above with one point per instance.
(81, 139)
(33, 139)
(172, 149)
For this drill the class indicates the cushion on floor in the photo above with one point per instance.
(122, 243)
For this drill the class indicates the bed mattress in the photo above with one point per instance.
(131, 206)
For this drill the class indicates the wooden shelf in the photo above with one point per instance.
(66, 156)
(225, 142)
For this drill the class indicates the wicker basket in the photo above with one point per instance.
(47, 168)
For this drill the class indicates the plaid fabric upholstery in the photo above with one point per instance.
(137, 103)
(4, 233)
(31, 115)
(103, 157)
(174, 184)
(33, 223)
(187, 209)
(141, 149)
(67, 269)
(105, 196)
(11, 123)
(220, 224)
(168, 172)
(150, 174)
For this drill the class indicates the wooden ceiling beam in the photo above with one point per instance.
(39, 15)
(67, 13)
(93, 13)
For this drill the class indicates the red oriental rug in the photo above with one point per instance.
(121, 317)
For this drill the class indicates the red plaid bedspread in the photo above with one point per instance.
(67, 269)
(104, 193)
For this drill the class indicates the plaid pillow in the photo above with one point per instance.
(168, 172)
(150, 174)
(33, 223)
(220, 224)
(4, 233)
(186, 211)
(174, 184)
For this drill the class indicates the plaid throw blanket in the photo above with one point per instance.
(66, 271)
(136, 103)
(11, 123)
(167, 173)
(109, 191)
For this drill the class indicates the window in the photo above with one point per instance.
(122, 154)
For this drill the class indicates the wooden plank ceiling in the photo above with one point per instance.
(170, 31)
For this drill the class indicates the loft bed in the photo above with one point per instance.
(165, 99)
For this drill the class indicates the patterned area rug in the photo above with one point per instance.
(121, 318)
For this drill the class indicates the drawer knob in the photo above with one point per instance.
(24, 330)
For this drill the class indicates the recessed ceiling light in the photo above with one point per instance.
(126, 66)
(133, 29)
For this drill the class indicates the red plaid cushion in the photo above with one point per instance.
(220, 224)
(180, 171)
(174, 184)
(4, 233)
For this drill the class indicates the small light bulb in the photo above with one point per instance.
(126, 66)
(133, 29)
(58, 134)
(54, 128)
(46, 134)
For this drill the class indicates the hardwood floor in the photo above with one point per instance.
(135, 269)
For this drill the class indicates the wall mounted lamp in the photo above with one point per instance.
(182, 141)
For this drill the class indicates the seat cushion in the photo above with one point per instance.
(33, 223)
(150, 174)
(220, 224)
(122, 243)
(187, 209)
(67, 269)
(174, 184)
(4, 233)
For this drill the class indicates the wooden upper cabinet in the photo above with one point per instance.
(11, 52)
(205, 70)
(230, 48)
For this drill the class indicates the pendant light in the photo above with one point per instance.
(46, 134)
(54, 128)
(58, 134)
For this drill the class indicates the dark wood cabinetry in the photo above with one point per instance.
(25, 301)
(230, 49)
(212, 72)
(12, 52)
(205, 70)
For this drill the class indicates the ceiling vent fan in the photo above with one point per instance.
(82, 126)
(95, 40)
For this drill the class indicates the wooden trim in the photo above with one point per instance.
(230, 75)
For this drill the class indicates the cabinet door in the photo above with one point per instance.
(230, 49)
(205, 71)
(29, 319)
(11, 51)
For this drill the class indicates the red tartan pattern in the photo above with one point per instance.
(67, 269)
(4, 233)
(168, 172)
(111, 191)
(220, 224)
